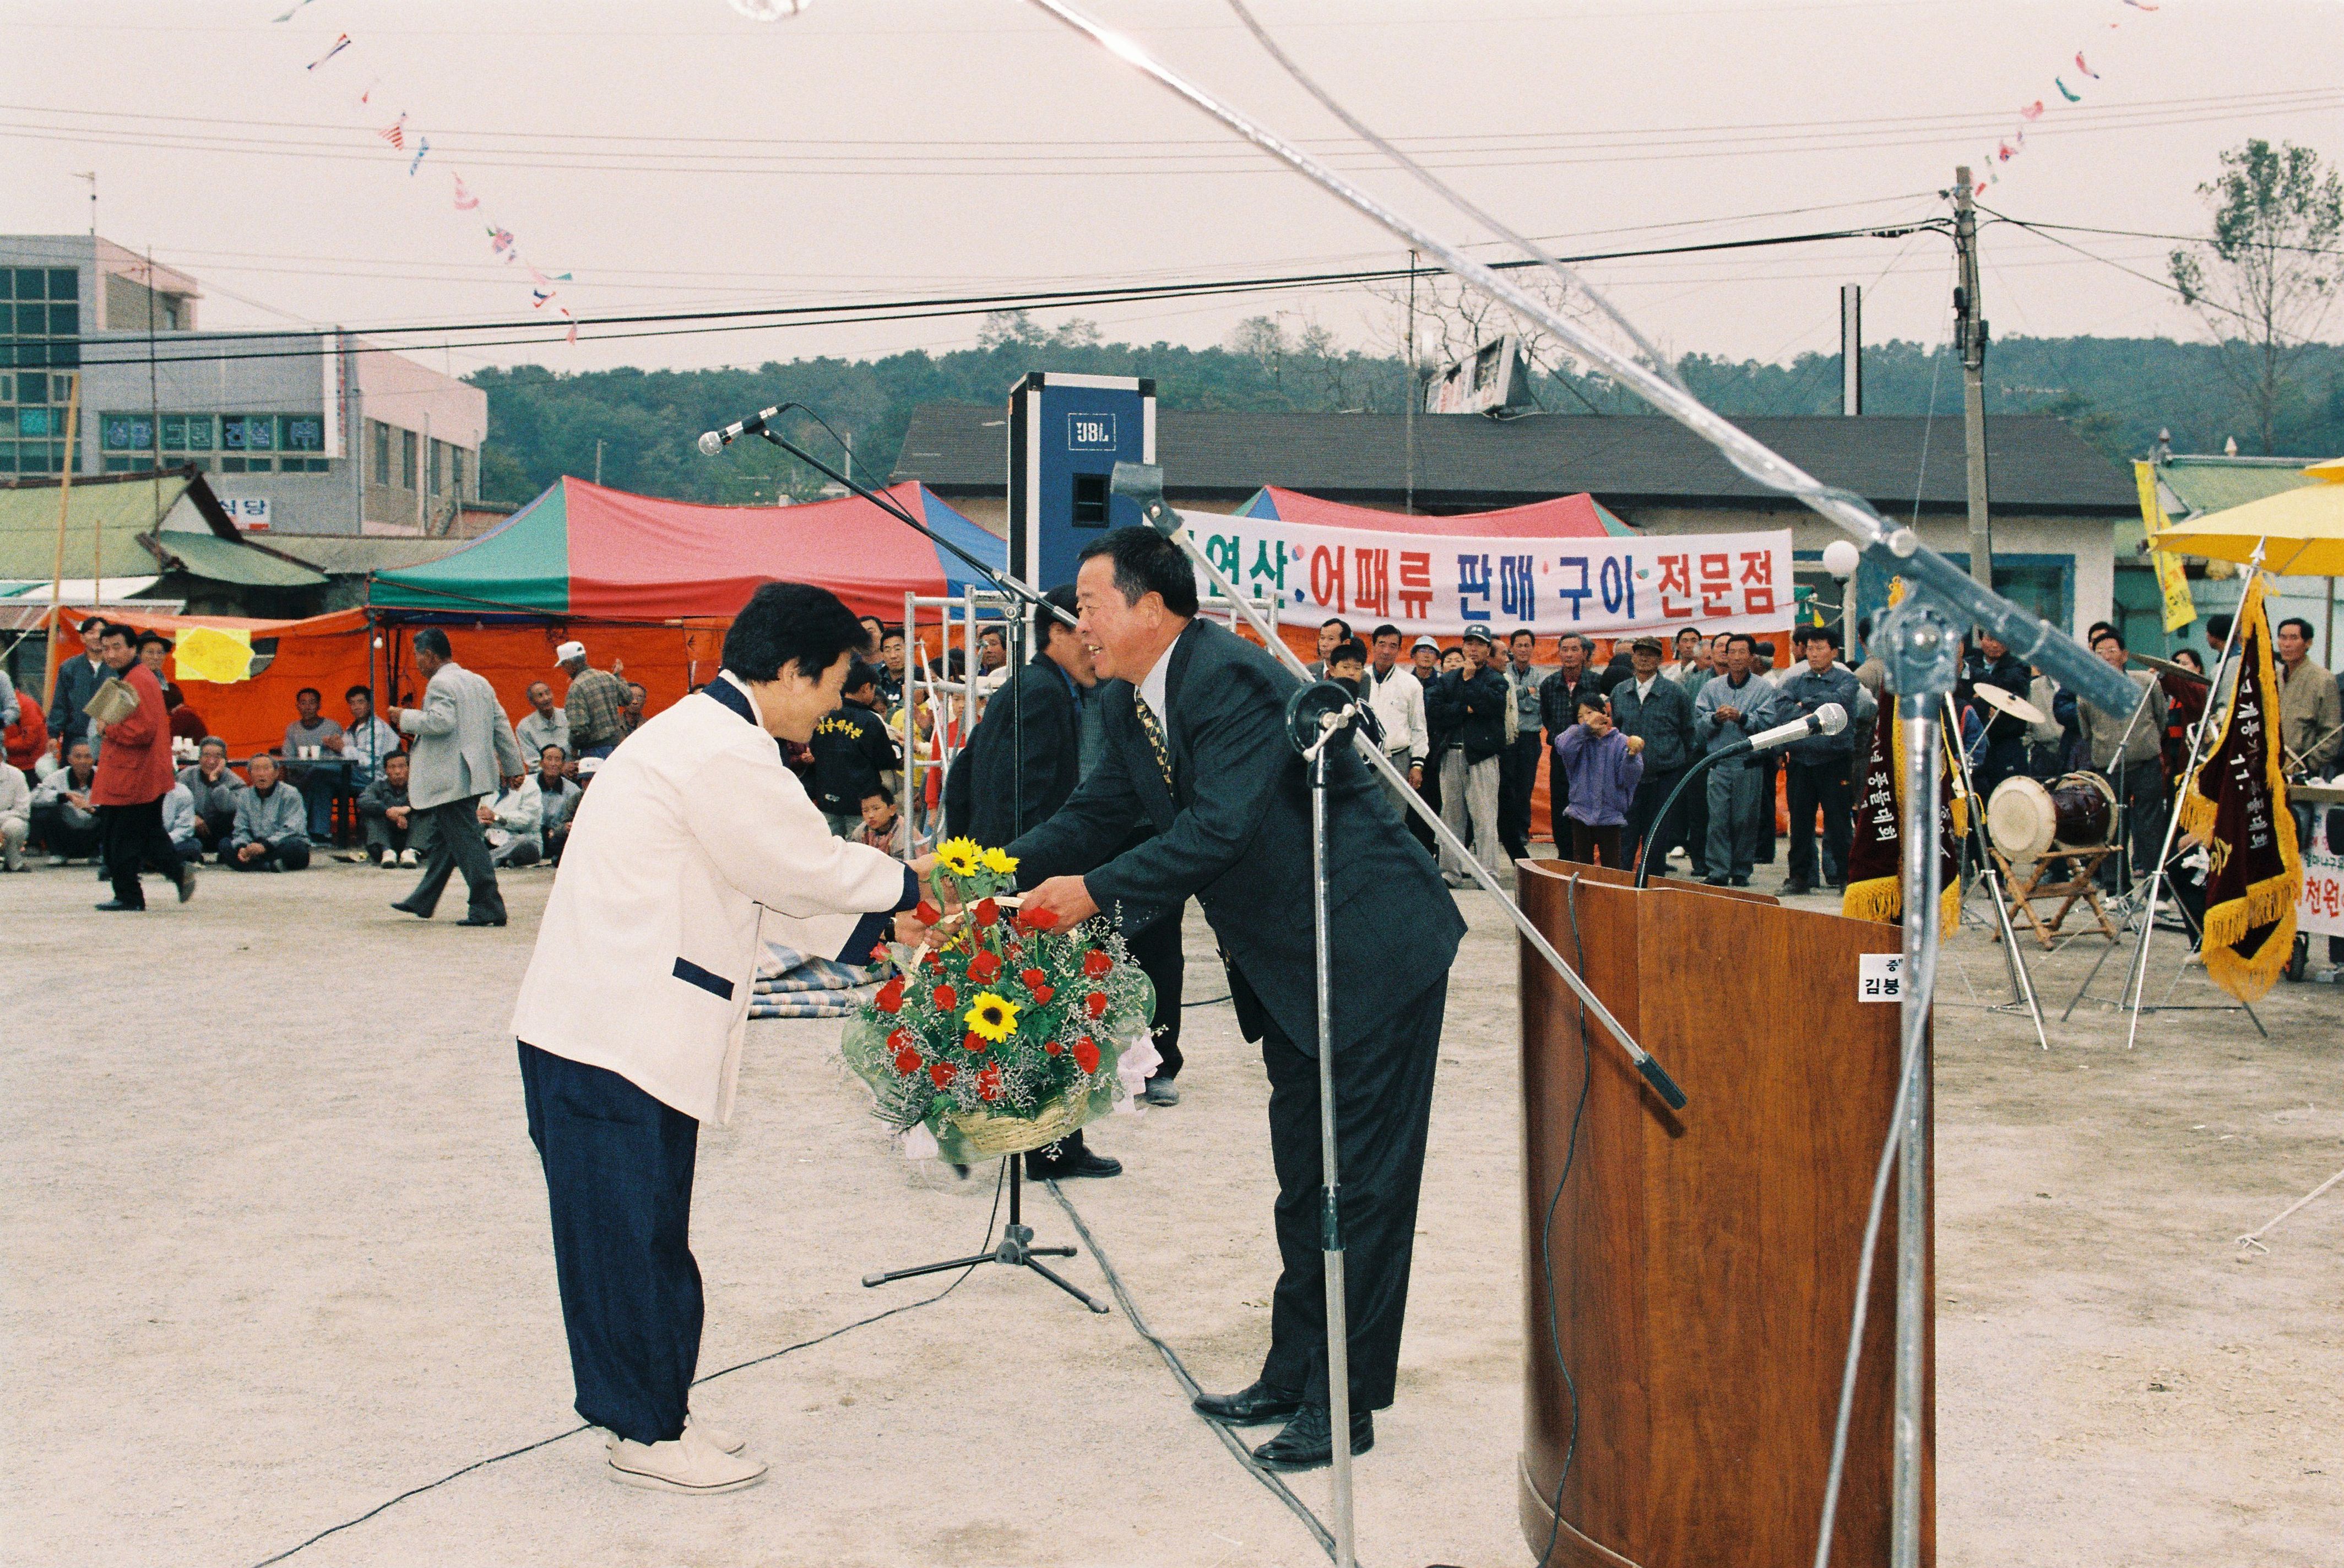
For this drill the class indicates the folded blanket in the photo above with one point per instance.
(790, 984)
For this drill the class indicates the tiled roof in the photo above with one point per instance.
(2037, 462)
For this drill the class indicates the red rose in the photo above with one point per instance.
(900, 1040)
(1034, 979)
(988, 913)
(1086, 1055)
(984, 967)
(988, 1084)
(878, 952)
(1097, 963)
(890, 998)
(1054, 1048)
(972, 1041)
(944, 998)
(927, 913)
(1038, 919)
(1095, 1003)
(942, 1075)
(1044, 992)
(907, 1063)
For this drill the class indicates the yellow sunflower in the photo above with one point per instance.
(992, 1017)
(958, 855)
(1000, 860)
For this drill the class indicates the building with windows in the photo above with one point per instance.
(316, 432)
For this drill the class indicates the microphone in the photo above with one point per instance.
(715, 441)
(1828, 720)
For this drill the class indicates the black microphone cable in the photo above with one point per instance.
(1546, 1232)
(709, 1377)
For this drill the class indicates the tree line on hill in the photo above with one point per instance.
(2117, 392)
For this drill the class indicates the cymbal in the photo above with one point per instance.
(2016, 706)
(2168, 666)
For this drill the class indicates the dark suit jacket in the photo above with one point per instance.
(996, 769)
(1234, 832)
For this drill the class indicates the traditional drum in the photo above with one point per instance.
(2086, 805)
(2025, 819)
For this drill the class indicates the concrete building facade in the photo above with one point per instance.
(318, 432)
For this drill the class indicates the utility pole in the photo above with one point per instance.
(1969, 337)
(1408, 396)
(1851, 349)
(598, 460)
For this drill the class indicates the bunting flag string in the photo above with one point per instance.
(502, 242)
(2011, 146)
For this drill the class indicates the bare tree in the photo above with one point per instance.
(2264, 282)
(1452, 319)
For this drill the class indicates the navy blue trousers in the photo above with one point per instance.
(618, 1173)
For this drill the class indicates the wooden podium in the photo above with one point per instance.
(1705, 1260)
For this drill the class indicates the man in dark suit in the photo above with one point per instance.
(1022, 761)
(1196, 746)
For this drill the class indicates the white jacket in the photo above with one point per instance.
(647, 955)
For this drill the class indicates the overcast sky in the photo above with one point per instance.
(884, 148)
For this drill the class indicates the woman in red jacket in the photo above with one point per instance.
(134, 774)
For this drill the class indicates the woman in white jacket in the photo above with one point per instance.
(693, 842)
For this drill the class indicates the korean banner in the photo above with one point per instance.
(1446, 584)
(2320, 909)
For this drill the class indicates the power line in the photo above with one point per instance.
(2148, 234)
(837, 314)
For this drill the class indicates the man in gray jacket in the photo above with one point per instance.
(212, 791)
(464, 749)
(2128, 751)
(1649, 707)
(1815, 770)
(1733, 707)
(272, 823)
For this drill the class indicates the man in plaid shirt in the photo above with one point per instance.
(596, 706)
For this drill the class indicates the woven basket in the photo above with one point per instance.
(992, 1136)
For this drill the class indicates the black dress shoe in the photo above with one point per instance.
(476, 920)
(404, 908)
(114, 905)
(1252, 1405)
(1068, 1164)
(1308, 1439)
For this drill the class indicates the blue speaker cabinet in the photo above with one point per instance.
(1066, 433)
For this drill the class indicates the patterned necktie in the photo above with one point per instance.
(1154, 734)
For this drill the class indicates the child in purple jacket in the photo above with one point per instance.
(1604, 768)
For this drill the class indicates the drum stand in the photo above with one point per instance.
(2082, 865)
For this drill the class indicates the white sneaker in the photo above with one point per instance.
(715, 1436)
(390, 860)
(407, 857)
(688, 1464)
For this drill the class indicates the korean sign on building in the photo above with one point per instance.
(1445, 584)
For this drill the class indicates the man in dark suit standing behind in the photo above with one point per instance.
(1197, 746)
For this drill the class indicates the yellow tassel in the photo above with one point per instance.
(2248, 977)
(1877, 899)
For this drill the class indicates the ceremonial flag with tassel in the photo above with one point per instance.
(1875, 889)
(2237, 803)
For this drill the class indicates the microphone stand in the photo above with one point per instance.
(1016, 1247)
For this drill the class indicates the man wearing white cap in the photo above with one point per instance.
(597, 703)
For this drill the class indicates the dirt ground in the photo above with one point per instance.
(276, 1251)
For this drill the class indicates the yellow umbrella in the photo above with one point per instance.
(2300, 533)
(212, 654)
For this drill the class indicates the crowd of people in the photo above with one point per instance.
(1472, 724)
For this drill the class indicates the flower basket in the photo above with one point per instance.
(1010, 1035)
